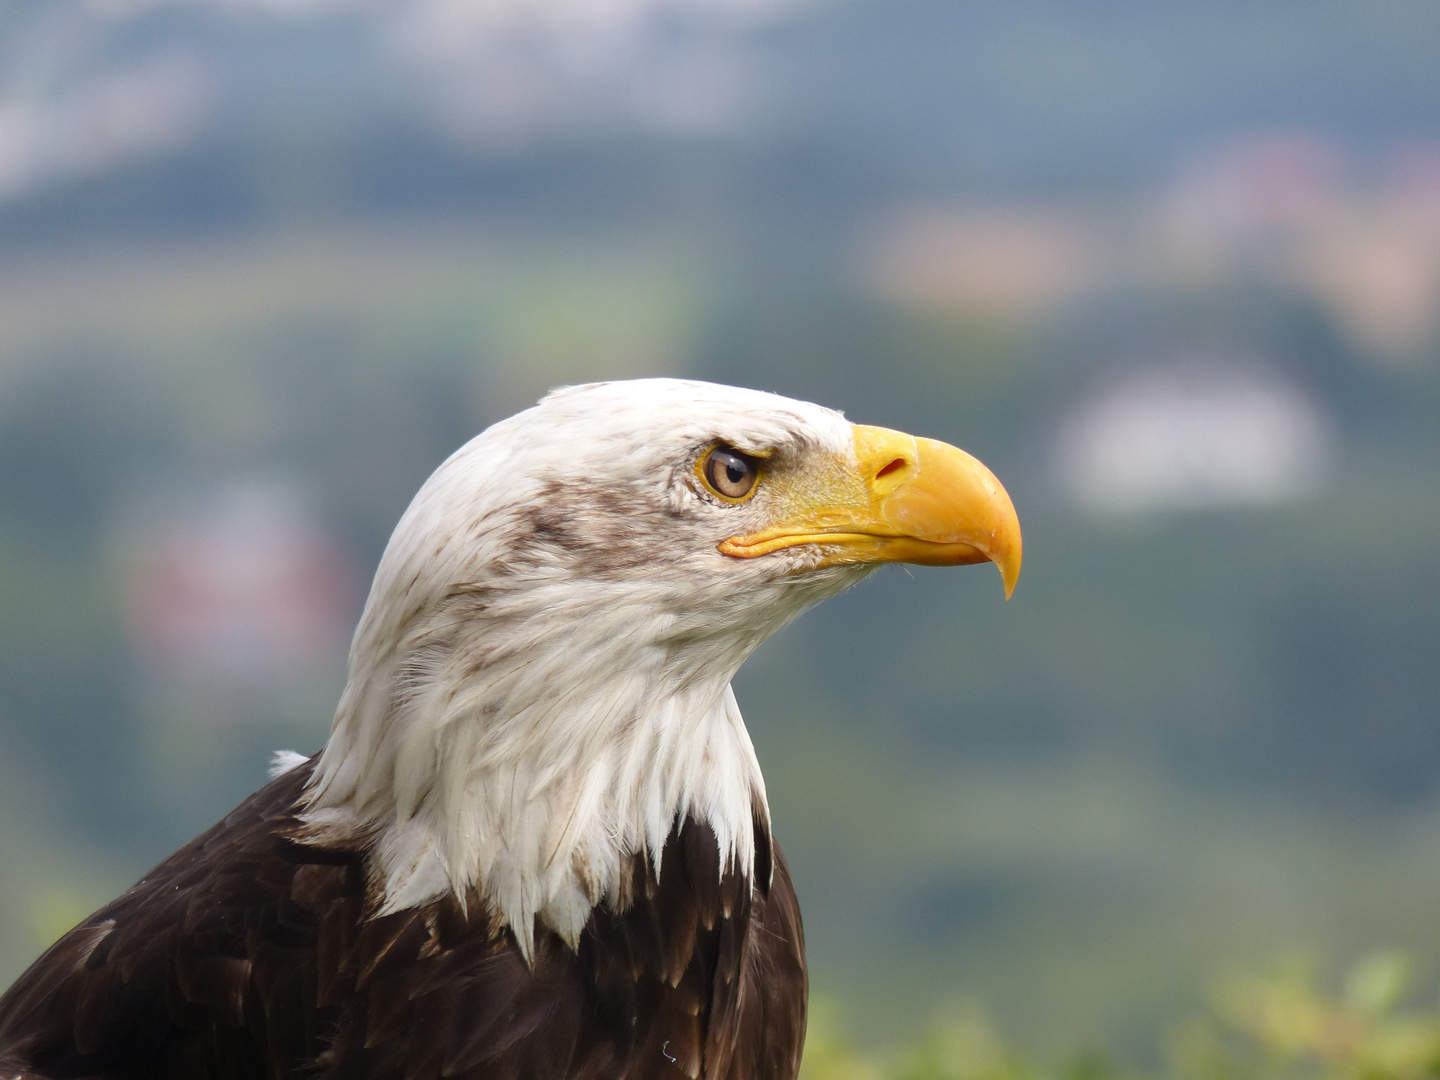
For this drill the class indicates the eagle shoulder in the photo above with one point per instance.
(247, 954)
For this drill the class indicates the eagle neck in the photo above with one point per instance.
(535, 781)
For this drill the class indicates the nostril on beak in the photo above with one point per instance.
(898, 463)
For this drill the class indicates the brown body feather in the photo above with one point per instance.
(248, 955)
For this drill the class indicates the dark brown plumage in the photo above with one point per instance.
(248, 955)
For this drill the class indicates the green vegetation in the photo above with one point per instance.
(1193, 738)
(1284, 1025)
(1189, 740)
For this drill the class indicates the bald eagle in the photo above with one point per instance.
(536, 844)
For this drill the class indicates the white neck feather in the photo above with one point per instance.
(544, 809)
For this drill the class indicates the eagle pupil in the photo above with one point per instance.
(730, 473)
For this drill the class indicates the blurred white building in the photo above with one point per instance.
(1196, 434)
(101, 120)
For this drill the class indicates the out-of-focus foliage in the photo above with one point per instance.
(1173, 271)
(1286, 1024)
(1191, 735)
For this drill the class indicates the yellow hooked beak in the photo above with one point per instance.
(901, 499)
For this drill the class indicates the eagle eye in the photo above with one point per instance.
(729, 473)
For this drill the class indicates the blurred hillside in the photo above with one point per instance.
(128, 115)
(1173, 274)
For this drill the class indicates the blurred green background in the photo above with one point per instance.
(1173, 271)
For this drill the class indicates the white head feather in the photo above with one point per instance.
(540, 684)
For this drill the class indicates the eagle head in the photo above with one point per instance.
(539, 687)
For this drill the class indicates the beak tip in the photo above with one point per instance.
(1009, 567)
(1010, 581)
